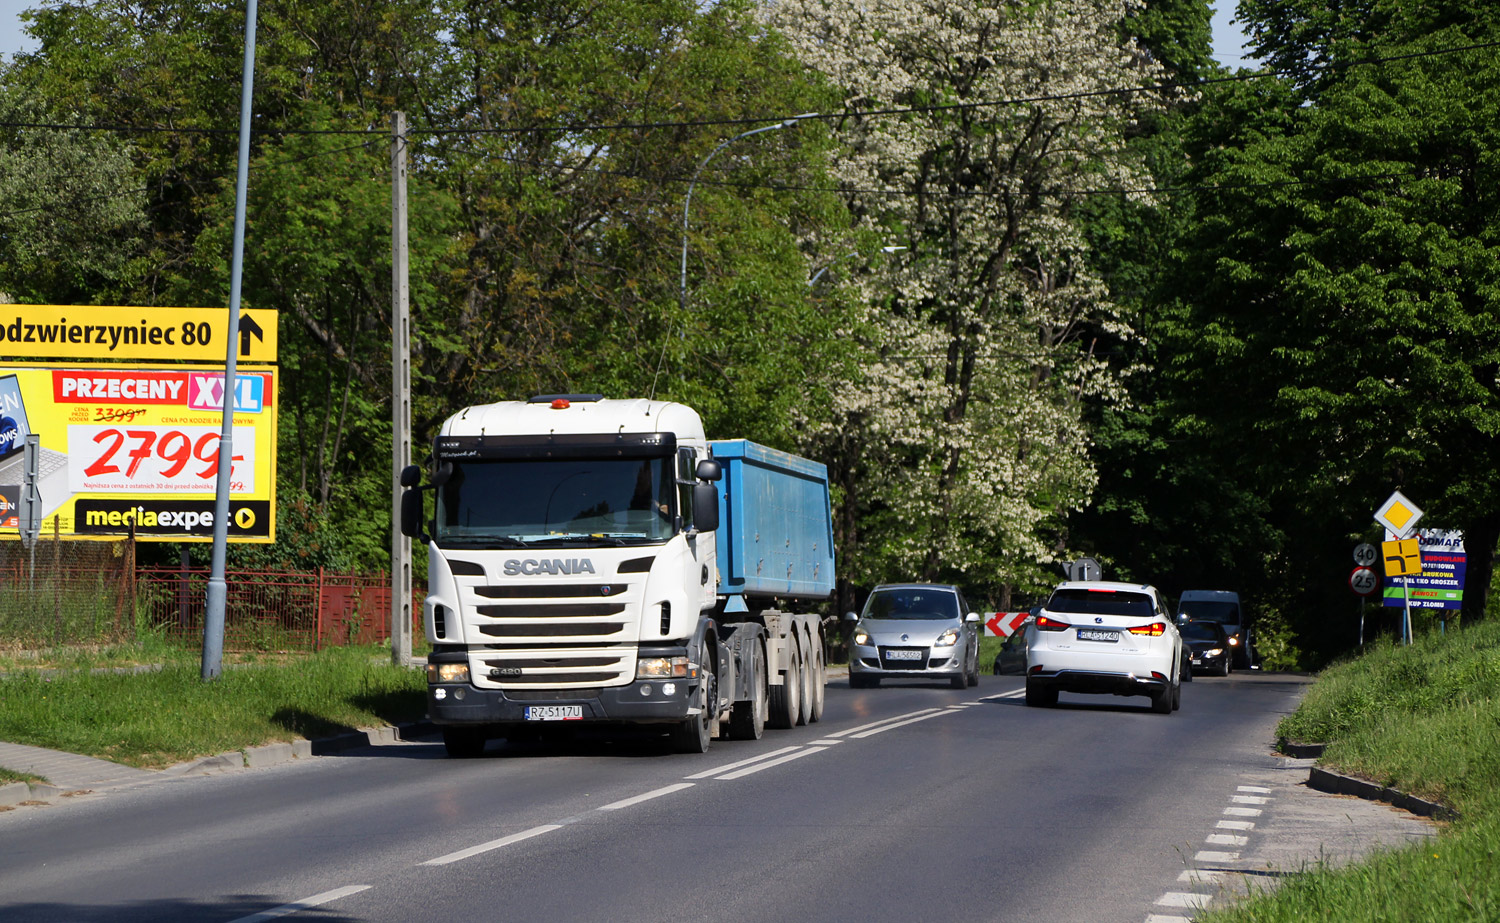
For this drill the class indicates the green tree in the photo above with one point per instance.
(972, 446)
(1344, 320)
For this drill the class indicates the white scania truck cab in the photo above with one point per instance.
(574, 554)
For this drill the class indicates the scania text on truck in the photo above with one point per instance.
(601, 561)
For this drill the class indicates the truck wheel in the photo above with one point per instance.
(809, 671)
(463, 743)
(693, 734)
(748, 719)
(819, 681)
(786, 699)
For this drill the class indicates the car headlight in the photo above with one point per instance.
(1233, 641)
(862, 637)
(947, 638)
(1213, 652)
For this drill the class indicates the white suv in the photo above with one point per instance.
(1097, 636)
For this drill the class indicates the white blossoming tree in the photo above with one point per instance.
(973, 128)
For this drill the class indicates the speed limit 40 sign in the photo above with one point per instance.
(1363, 581)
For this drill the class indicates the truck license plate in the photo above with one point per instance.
(554, 712)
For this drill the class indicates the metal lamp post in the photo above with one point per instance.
(688, 199)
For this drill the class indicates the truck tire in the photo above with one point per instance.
(809, 672)
(748, 719)
(819, 682)
(693, 733)
(786, 699)
(463, 743)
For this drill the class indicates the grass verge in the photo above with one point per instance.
(1424, 719)
(168, 715)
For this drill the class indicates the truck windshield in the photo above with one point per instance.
(541, 502)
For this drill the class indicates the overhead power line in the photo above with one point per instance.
(574, 127)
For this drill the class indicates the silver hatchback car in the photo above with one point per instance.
(915, 631)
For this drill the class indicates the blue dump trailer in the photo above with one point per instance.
(602, 562)
(775, 550)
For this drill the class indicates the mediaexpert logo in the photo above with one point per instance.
(247, 518)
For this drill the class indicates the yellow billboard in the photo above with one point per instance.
(125, 449)
(86, 333)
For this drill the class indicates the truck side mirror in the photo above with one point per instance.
(709, 470)
(705, 507)
(411, 476)
(411, 512)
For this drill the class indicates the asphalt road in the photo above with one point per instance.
(907, 802)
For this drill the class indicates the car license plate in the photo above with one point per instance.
(554, 712)
(903, 655)
(1097, 634)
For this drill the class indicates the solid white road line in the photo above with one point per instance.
(856, 730)
(739, 774)
(889, 727)
(493, 844)
(304, 904)
(665, 790)
(754, 759)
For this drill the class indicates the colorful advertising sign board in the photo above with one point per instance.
(1440, 585)
(86, 333)
(137, 449)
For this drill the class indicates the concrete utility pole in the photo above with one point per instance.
(213, 615)
(400, 397)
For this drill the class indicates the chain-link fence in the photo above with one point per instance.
(76, 593)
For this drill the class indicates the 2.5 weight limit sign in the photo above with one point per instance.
(1363, 581)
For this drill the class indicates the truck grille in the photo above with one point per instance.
(595, 667)
(548, 613)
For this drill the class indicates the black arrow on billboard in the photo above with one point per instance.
(249, 328)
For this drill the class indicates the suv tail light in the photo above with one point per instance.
(1155, 629)
(1045, 624)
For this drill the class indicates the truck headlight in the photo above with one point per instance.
(947, 638)
(664, 668)
(447, 673)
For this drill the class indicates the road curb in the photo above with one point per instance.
(13, 794)
(1334, 783)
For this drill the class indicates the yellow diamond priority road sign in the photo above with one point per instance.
(1398, 514)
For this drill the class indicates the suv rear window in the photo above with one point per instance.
(1102, 602)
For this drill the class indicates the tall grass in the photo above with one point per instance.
(1424, 719)
(168, 714)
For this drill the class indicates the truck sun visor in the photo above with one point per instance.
(562, 445)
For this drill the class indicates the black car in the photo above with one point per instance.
(1210, 647)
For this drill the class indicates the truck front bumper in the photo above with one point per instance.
(643, 701)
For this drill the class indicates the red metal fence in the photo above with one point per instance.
(88, 593)
(265, 610)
